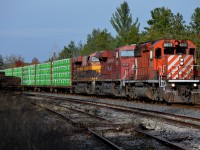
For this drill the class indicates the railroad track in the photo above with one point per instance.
(119, 108)
(168, 117)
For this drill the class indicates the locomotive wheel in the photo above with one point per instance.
(88, 89)
(132, 94)
(155, 94)
(135, 95)
(98, 91)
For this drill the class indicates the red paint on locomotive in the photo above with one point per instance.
(117, 63)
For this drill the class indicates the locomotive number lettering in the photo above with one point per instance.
(183, 44)
(167, 44)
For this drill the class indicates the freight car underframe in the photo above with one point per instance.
(170, 91)
(55, 89)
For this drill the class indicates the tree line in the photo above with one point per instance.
(162, 24)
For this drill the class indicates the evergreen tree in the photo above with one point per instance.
(98, 41)
(160, 26)
(68, 52)
(195, 27)
(178, 27)
(65, 53)
(1, 62)
(195, 21)
(121, 20)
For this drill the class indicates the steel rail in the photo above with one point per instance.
(109, 143)
(140, 111)
(104, 140)
(97, 136)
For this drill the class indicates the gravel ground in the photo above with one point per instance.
(185, 137)
(164, 108)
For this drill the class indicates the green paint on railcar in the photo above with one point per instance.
(17, 72)
(61, 72)
(8, 72)
(43, 74)
(29, 75)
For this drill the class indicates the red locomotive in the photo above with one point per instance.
(86, 69)
(165, 71)
(116, 67)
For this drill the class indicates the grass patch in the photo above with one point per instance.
(22, 126)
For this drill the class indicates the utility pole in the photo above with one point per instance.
(1, 62)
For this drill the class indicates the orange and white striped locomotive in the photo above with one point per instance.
(165, 70)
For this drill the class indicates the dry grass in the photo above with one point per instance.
(23, 127)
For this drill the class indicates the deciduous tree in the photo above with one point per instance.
(13, 61)
(35, 61)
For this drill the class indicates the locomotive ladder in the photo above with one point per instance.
(162, 83)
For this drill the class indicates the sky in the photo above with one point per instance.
(38, 28)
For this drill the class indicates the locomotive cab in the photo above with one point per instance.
(165, 70)
(175, 60)
(175, 63)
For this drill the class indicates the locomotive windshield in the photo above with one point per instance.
(172, 50)
(127, 53)
(180, 50)
(95, 59)
(169, 50)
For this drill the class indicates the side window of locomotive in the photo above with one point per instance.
(158, 53)
(95, 59)
(127, 53)
(181, 50)
(191, 51)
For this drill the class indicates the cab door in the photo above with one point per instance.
(158, 63)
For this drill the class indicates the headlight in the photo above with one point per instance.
(173, 84)
(181, 63)
(195, 85)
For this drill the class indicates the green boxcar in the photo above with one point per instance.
(17, 72)
(8, 72)
(29, 75)
(61, 72)
(43, 74)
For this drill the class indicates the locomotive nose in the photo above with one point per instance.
(180, 66)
